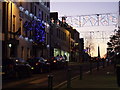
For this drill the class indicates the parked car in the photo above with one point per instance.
(39, 64)
(15, 68)
(57, 62)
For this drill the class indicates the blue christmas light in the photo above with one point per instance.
(38, 28)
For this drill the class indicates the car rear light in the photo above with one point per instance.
(36, 63)
(16, 60)
(45, 60)
(54, 61)
(61, 58)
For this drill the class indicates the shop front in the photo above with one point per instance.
(61, 52)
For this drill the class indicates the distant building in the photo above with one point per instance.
(59, 38)
(64, 39)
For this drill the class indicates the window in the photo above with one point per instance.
(20, 26)
(45, 3)
(42, 15)
(26, 33)
(48, 4)
(28, 52)
(20, 3)
(31, 9)
(37, 3)
(22, 52)
(39, 14)
(14, 23)
(30, 33)
(35, 11)
(65, 36)
(59, 33)
(51, 30)
(46, 38)
(47, 17)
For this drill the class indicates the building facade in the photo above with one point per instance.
(1, 10)
(64, 39)
(59, 38)
(25, 30)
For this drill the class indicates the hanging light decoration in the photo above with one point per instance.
(31, 15)
(26, 12)
(21, 8)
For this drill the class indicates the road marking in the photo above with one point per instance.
(38, 81)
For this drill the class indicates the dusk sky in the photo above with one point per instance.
(83, 8)
(88, 8)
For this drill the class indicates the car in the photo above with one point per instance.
(57, 62)
(39, 65)
(15, 68)
(54, 62)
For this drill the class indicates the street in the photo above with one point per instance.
(41, 80)
(46, 44)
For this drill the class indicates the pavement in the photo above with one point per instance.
(77, 63)
(104, 78)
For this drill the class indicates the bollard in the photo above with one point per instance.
(49, 69)
(118, 74)
(90, 67)
(97, 65)
(81, 72)
(50, 82)
(69, 78)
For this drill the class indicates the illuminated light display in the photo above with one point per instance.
(38, 29)
(31, 15)
(26, 12)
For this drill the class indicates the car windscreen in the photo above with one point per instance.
(36, 59)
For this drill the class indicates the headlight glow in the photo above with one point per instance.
(16, 60)
(32, 67)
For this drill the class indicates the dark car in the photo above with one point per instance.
(39, 65)
(57, 62)
(15, 68)
(54, 62)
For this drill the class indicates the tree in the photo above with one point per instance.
(114, 40)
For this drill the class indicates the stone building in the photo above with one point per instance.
(21, 29)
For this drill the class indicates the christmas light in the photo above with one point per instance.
(38, 29)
